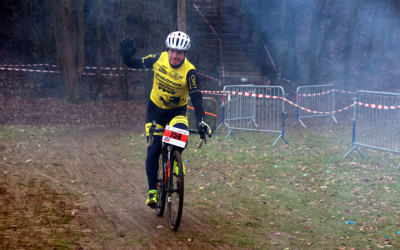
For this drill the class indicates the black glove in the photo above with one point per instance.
(126, 48)
(203, 128)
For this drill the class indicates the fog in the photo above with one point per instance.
(352, 43)
(345, 42)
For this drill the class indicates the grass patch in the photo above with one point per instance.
(297, 195)
(20, 133)
(131, 146)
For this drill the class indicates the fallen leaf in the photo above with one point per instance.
(74, 212)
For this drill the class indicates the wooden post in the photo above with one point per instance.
(72, 47)
(181, 5)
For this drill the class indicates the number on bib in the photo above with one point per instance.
(175, 136)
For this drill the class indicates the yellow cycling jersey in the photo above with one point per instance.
(170, 85)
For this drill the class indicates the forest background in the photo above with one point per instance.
(352, 44)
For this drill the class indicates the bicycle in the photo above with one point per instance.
(170, 187)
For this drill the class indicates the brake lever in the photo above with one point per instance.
(151, 134)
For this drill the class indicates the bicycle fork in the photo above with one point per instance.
(167, 170)
(169, 178)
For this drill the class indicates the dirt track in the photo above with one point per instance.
(110, 191)
(81, 181)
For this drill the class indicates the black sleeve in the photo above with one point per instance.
(141, 62)
(195, 94)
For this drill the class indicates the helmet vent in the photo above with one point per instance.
(178, 40)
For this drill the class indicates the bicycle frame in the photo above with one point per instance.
(166, 152)
(166, 184)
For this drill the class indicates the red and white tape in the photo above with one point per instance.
(205, 19)
(29, 70)
(377, 106)
(48, 71)
(344, 91)
(327, 92)
(29, 65)
(115, 68)
(103, 74)
(225, 93)
(207, 76)
(317, 94)
(318, 112)
(218, 38)
(18, 67)
(212, 92)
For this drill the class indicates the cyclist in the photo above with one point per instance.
(175, 79)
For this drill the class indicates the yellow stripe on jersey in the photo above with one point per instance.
(170, 88)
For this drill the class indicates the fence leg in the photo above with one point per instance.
(353, 140)
(351, 150)
(282, 135)
(297, 117)
(222, 123)
(277, 139)
(223, 116)
(333, 117)
(229, 134)
(300, 121)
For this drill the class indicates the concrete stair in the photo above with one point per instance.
(237, 55)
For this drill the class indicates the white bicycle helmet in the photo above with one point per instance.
(178, 40)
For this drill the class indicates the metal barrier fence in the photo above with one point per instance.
(238, 80)
(376, 122)
(255, 108)
(319, 98)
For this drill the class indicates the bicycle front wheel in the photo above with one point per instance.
(175, 194)
(161, 194)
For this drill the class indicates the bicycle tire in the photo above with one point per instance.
(176, 193)
(161, 192)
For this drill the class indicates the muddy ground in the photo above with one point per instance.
(75, 190)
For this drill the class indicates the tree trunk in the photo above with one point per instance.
(292, 38)
(348, 51)
(99, 91)
(80, 43)
(123, 81)
(72, 46)
(48, 9)
(282, 23)
(315, 69)
(181, 5)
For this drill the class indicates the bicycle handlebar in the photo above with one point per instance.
(153, 129)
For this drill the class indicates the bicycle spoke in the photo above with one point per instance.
(161, 193)
(175, 195)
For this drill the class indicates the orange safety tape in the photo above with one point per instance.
(205, 112)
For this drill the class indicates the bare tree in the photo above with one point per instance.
(72, 47)
(315, 69)
(348, 49)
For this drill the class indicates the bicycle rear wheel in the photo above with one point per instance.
(161, 194)
(175, 193)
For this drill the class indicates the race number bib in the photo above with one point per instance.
(175, 136)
